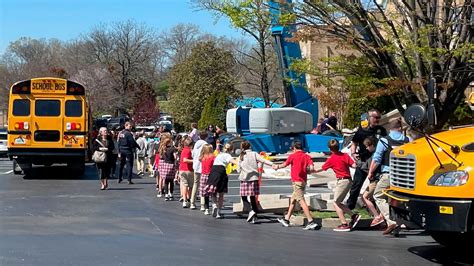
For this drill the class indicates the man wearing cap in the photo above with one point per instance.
(381, 158)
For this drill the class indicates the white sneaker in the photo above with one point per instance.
(202, 208)
(214, 210)
(251, 215)
(207, 212)
(159, 195)
(219, 215)
(193, 207)
(170, 196)
(185, 204)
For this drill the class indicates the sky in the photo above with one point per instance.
(67, 19)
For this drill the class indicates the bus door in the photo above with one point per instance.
(47, 122)
(74, 124)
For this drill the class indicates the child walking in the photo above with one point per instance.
(300, 164)
(207, 160)
(218, 179)
(186, 171)
(340, 162)
(167, 168)
(249, 184)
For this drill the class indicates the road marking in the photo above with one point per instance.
(9, 172)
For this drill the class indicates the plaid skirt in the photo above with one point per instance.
(202, 185)
(249, 188)
(167, 171)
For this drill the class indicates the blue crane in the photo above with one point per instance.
(274, 129)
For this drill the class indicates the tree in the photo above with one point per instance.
(252, 17)
(128, 52)
(145, 110)
(179, 42)
(214, 112)
(208, 69)
(407, 42)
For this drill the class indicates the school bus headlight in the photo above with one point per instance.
(449, 179)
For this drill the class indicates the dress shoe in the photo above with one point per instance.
(130, 183)
(119, 180)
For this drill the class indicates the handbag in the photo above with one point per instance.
(99, 156)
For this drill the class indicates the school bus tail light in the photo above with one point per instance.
(73, 126)
(21, 125)
(23, 87)
(74, 88)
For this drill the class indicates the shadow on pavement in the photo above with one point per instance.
(59, 172)
(443, 255)
(124, 188)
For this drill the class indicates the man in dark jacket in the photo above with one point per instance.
(361, 155)
(126, 146)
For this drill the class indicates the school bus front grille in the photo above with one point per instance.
(403, 171)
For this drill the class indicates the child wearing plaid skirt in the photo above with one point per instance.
(218, 179)
(207, 160)
(167, 167)
(249, 177)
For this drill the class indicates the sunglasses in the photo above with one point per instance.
(377, 117)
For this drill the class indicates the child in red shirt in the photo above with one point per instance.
(186, 175)
(207, 160)
(300, 163)
(340, 162)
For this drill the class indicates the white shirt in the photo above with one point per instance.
(222, 159)
(194, 135)
(196, 153)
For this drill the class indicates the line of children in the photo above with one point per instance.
(213, 181)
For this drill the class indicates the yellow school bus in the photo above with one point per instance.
(432, 185)
(48, 123)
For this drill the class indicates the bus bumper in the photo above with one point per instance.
(47, 156)
(433, 214)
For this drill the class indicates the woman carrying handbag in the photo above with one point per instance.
(103, 145)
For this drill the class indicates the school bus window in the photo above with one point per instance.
(74, 108)
(47, 108)
(21, 107)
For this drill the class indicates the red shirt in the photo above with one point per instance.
(206, 165)
(299, 162)
(339, 162)
(185, 153)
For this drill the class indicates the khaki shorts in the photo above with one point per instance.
(298, 191)
(342, 188)
(371, 189)
(186, 178)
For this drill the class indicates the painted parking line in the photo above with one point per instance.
(9, 172)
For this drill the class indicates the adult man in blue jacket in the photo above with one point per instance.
(126, 146)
